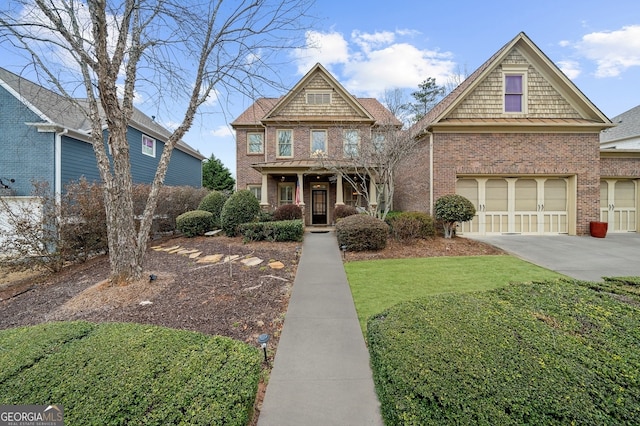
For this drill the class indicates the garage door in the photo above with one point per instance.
(618, 204)
(515, 205)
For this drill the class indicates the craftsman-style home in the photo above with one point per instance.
(517, 138)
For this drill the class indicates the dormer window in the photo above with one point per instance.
(318, 98)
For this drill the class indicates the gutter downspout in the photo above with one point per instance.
(58, 165)
(430, 173)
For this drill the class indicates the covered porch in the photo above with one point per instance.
(316, 188)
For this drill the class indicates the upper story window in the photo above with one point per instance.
(350, 143)
(515, 88)
(318, 98)
(378, 141)
(513, 93)
(285, 143)
(148, 146)
(318, 142)
(255, 143)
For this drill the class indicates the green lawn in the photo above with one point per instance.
(379, 284)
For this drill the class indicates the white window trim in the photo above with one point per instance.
(256, 188)
(516, 69)
(249, 152)
(344, 144)
(146, 138)
(292, 185)
(278, 143)
(326, 141)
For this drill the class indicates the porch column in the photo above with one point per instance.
(301, 190)
(339, 191)
(373, 194)
(264, 202)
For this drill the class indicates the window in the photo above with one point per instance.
(286, 193)
(255, 143)
(148, 146)
(318, 141)
(318, 98)
(378, 140)
(285, 143)
(256, 190)
(351, 140)
(513, 93)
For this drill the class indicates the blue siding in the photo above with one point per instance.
(183, 169)
(78, 161)
(25, 154)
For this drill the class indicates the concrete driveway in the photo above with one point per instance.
(584, 258)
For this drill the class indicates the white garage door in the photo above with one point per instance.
(515, 205)
(618, 204)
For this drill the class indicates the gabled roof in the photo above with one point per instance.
(264, 110)
(57, 110)
(627, 126)
(590, 114)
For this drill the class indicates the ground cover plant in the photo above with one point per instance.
(552, 352)
(117, 373)
(378, 285)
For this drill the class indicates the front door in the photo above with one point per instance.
(318, 206)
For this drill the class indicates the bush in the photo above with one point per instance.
(130, 373)
(213, 203)
(551, 352)
(264, 216)
(362, 232)
(451, 209)
(241, 207)
(287, 212)
(194, 223)
(285, 230)
(411, 225)
(341, 211)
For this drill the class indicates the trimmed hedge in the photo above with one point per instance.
(194, 223)
(213, 203)
(362, 232)
(551, 352)
(241, 207)
(287, 212)
(343, 210)
(284, 230)
(411, 225)
(131, 374)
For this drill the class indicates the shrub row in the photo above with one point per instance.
(283, 230)
(129, 373)
(362, 232)
(538, 353)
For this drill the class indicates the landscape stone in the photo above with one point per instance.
(230, 258)
(170, 248)
(187, 251)
(252, 261)
(276, 265)
(211, 258)
(194, 255)
(212, 233)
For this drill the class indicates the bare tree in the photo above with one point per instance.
(396, 101)
(370, 167)
(169, 49)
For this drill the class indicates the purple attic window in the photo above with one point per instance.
(513, 93)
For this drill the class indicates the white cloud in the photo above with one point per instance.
(373, 62)
(613, 51)
(326, 48)
(570, 68)
(222, 131)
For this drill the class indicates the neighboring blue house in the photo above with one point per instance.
(44, 137)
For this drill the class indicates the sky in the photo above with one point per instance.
(375, 45)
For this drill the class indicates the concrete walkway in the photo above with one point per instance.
(321, 373)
